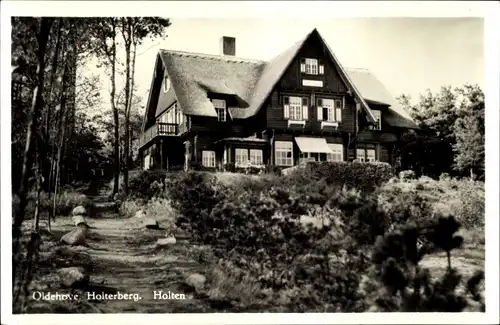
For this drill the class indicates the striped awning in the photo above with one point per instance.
(318, 145)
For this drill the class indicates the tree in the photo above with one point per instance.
(134, 30)
(43, 26)
(103, 43)
(451, 138)
(470, 132)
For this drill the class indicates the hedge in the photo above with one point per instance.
(361, 176)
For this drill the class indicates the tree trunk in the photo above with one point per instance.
(49, 110)
(116, 118)
(127, 34)
(45, 26)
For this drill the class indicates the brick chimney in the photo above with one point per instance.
(228, 45)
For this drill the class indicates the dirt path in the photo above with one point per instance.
(125, 260)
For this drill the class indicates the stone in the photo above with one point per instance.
(79, 211)
(151, 223)
(79, 219)
(162, 242)
(140, 214)
(72, 277)
(76, 236)
(196, 281)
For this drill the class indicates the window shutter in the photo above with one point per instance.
(321, 67)
(343, 102)
(302, 65)
(305, 108)
(286, 107)
(320, 110)
(339, 115)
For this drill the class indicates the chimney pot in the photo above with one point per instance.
(228, 45)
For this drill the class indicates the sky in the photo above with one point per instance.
(408, 55)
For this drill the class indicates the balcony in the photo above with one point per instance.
(159, 129)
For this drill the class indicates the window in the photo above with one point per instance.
(338, 152)
(256, 157)
(360, 155)
(241, 156)
(208, 158)
(366, 155)
(283, 153)
(370, 155)
(166, 84)
(377, 114)
(309, 66)
(295, 108)
(220, 107)
(330, 110)
(221, 114)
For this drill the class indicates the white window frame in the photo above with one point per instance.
(378, 117)
(256, 157)
(221, 114)
(208, 158)
(240, 156)
(371, 155)
(283, 153)
(311, 66)
(338, 152)
(295, 108)
(361, 154)
(166, 84)
(334, 109)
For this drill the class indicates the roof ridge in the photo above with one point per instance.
(228, 58)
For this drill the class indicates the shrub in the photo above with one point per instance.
(401, 284)
(363, 176)
(147, 183)
(407, 175)
(129, 207)
(65, 203)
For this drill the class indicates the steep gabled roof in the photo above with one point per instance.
(374, 91)
(193, 75)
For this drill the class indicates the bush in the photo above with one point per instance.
(407, 175)
(401, 284)
(362, 176)
(147, 184)
(65, 203)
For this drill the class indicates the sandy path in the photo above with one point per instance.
(125, 260)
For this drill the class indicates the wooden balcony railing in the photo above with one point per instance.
(159, 129)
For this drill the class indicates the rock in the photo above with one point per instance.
(79, 211)
(196, 281)
(79, 219)
(151, 224)
(140, 214)
(75, 236)
(73, 277)
(162, 242)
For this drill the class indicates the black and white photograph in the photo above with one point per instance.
(225, 167)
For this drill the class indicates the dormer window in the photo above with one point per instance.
(311, 66)
(220, 107)
(166, 84)
(378, 120)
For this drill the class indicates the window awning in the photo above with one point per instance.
(313, 145)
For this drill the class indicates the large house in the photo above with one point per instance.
(300, 105)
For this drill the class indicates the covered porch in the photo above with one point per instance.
(241, 152)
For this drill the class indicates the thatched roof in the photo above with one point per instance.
(193, 75)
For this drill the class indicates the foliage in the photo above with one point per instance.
(419, 199)
(363, 176)
(401, 284)
(65, 203)
(451, 138)
(146, 184)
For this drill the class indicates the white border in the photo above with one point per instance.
(270, 9)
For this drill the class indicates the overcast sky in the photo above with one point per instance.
(408, 55)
